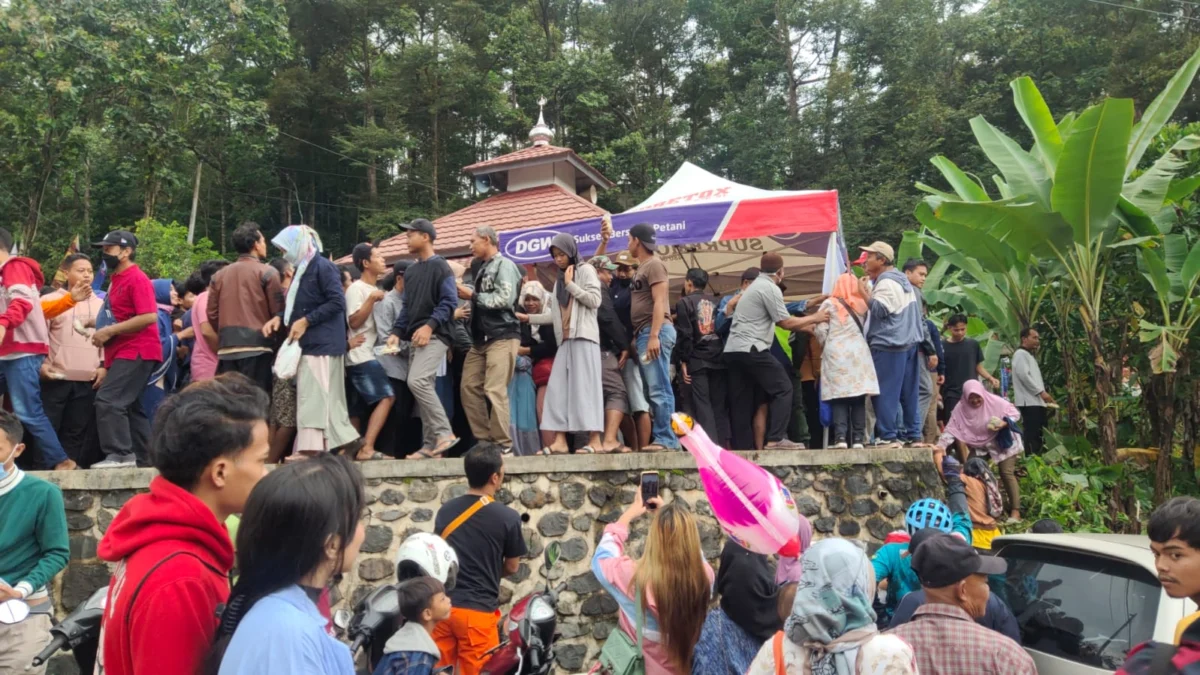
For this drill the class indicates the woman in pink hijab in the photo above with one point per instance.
(975, 426)
(788, 569)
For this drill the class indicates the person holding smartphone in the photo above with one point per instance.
(664, 594)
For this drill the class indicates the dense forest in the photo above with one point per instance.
(352, 115)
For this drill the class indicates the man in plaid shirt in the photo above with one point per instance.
(943, 632)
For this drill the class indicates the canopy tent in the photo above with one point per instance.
(706, 221)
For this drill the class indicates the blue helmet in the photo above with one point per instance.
(928, 513)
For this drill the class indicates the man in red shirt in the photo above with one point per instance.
(171, 547)
(131, 345)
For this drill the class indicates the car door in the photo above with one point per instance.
(1079, 613)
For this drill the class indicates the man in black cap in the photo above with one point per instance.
(997, 615)
(654, 334)
(430, 298)
(943, 633)
(127, 329)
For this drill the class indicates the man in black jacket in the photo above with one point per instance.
(430, 298)
(614, 351)
(699, 347)
(495, 334)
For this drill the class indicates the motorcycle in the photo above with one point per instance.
(79, 632)
(527, 641)
(531, 626)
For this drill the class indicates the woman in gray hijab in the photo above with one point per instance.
(574, 399)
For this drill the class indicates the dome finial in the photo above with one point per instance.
(541, 134)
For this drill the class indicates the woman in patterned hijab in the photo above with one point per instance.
(831, 630)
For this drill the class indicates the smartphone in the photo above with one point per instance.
(649, 486)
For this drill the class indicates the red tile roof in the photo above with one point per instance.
(522, 155)
(535, 207)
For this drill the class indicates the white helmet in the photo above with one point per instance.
(427, 555)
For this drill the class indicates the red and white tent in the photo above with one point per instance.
(721, 226)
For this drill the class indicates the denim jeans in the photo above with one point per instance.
(658, 382)
(24, 385)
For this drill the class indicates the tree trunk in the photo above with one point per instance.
(784, 38)
(434, 112)
(87, 197)
(221, 232)
(195, 203)
(1164, 414)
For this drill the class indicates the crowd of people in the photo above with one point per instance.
(427, 357)
(931, 600)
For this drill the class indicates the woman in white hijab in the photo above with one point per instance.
(315, 314)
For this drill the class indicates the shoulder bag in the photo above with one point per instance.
(620, 656)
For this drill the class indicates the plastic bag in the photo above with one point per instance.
(287, 361)
(752, 506)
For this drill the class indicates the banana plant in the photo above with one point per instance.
(1067, 198)
(1173, 272)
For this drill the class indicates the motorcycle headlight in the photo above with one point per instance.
(540, 610)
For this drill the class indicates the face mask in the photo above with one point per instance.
(110, 261)
(4, 470)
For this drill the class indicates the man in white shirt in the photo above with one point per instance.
(1029, 392)
(369, 378)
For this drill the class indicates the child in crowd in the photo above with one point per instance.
(892, 562)
(412, 650)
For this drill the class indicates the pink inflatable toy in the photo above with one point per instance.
(753, 507)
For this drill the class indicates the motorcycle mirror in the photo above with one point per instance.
(341, 618)
(552, 555)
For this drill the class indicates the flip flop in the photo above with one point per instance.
(586, 450)
(423, 453)
(653, 447)
(545, 451)
(623, 450)
(443, 446)
(375, 456)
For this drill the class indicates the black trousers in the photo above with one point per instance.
(812, 412)
(120, 420)
(71, 409)
(256, 367)
(849, 419)
(710, 401)
(1033, 420)
(401, 435)
(748, 370)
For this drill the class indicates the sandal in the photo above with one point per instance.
(444, 445)
(653, 447)
(586, 450)
(375, 456)
(423, 453)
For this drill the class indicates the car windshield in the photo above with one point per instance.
(1084, 608)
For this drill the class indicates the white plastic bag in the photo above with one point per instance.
(287, 361)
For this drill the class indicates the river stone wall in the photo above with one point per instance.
(858, 494)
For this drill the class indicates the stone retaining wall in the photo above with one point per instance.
(859, 494)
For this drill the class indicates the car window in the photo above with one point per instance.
(1080, 607)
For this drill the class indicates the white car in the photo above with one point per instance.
(1082, 601)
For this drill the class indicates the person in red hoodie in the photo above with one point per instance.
(24, 344)
(172, 549)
